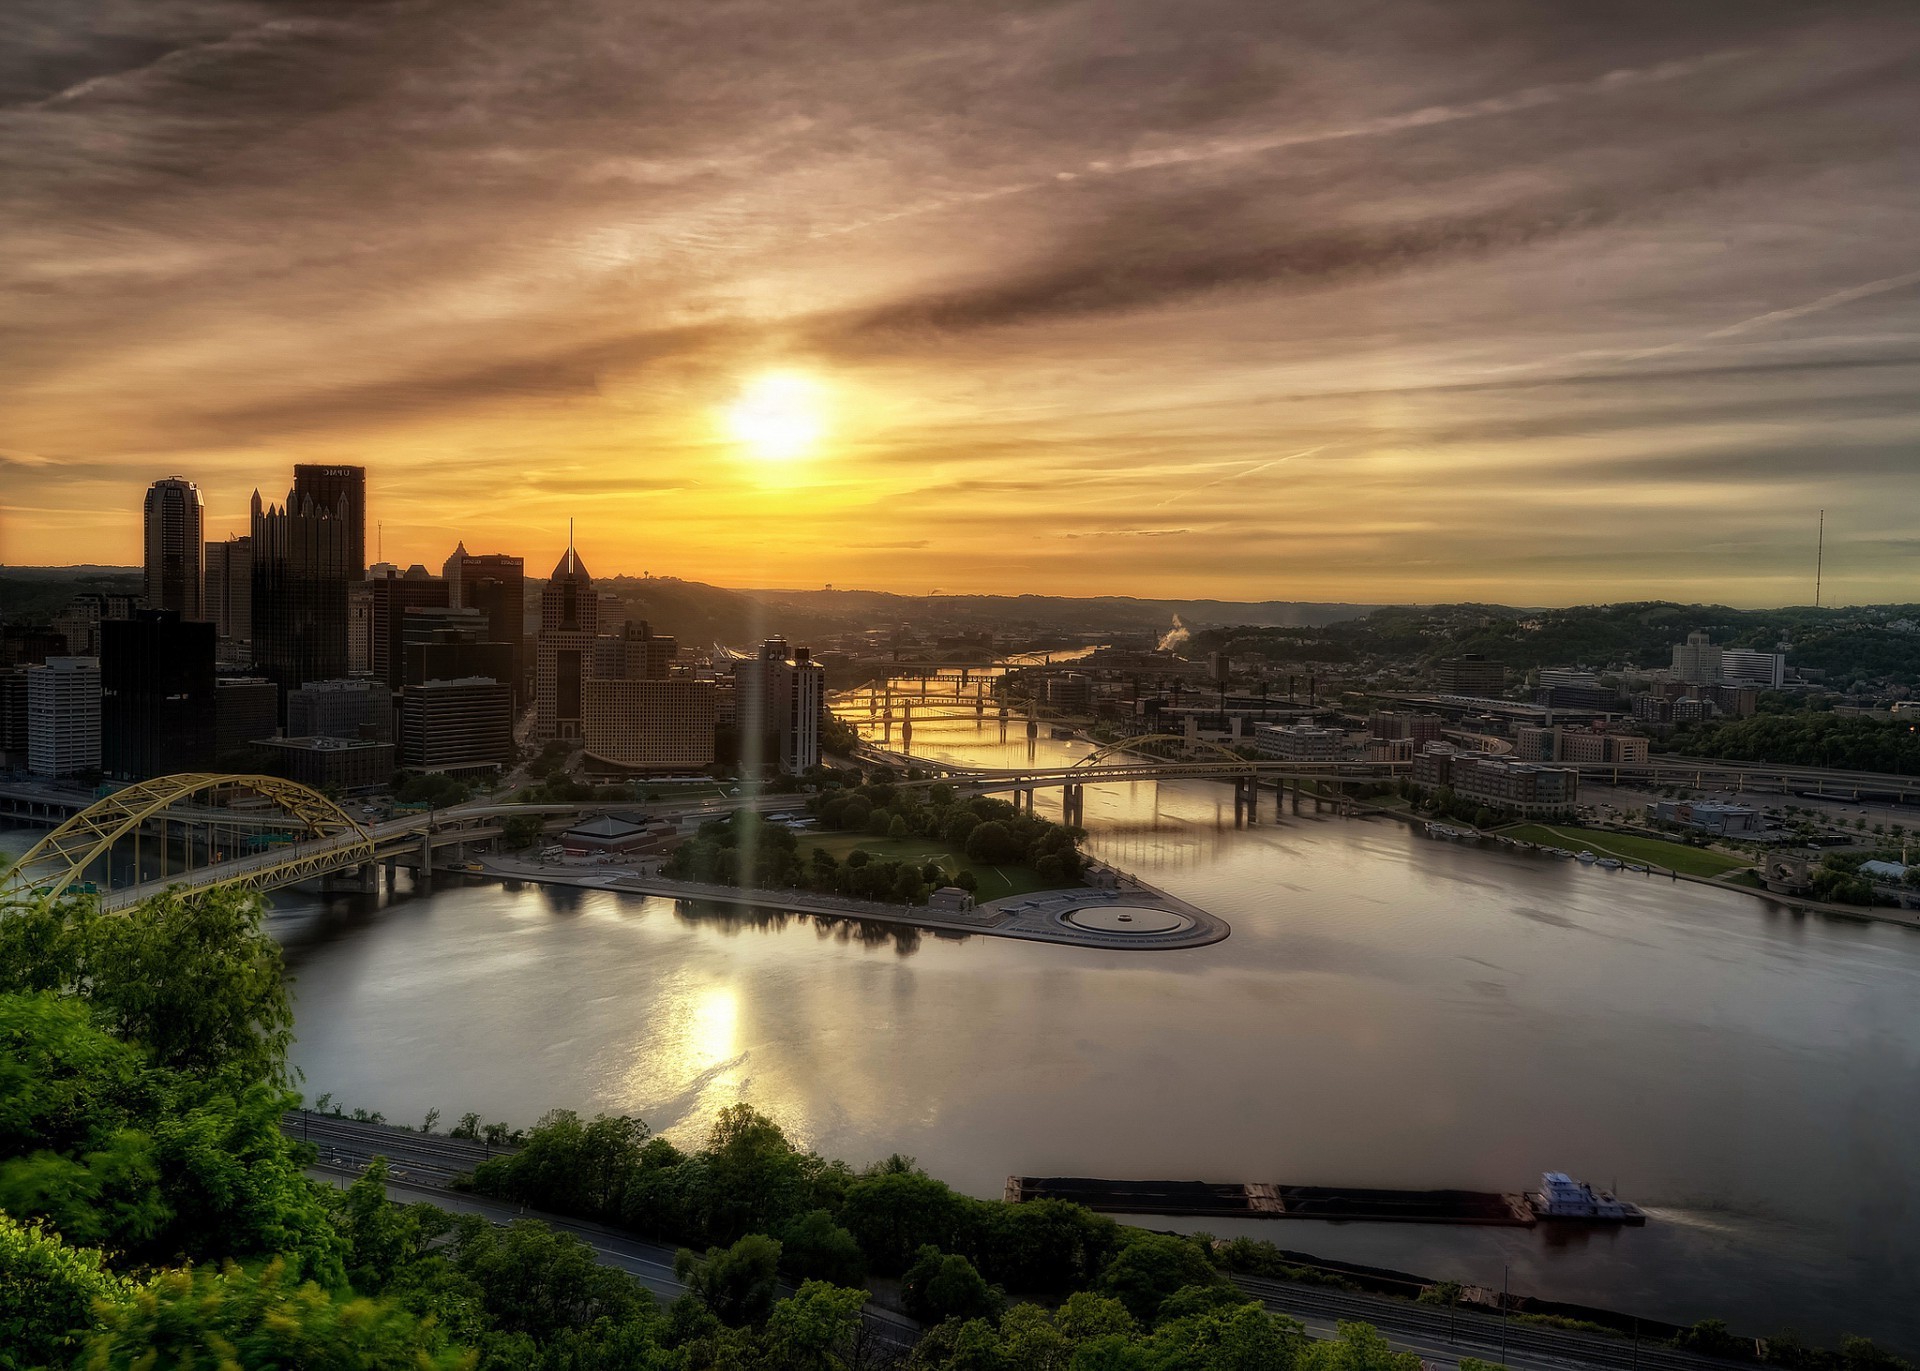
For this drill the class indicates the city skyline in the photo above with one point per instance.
(1487, 301)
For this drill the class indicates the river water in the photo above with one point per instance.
(1390, 1010)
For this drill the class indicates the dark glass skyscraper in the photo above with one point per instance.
(569, 622)
(328, 487)
(393, 596)
(156, 695)
(302, 564)
(496, 585)
(175, 526)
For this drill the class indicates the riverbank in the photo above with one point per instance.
(1079, 917)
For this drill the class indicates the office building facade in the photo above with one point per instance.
(1744, 666)
(302, 566)
(393, 594)
(456, 725)
(777, 701)
(246, 710)
(230, 588)
(343, 489)
(63, 716)
(1696, 661)
(156, 695)
(496, 585)
(1469, 675)
(175, 518)
(569, 622)
(340, 709)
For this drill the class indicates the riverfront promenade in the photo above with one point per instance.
(1076, 917)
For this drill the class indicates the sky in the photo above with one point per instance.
(1533, 301)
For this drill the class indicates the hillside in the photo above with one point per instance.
(1858, 644)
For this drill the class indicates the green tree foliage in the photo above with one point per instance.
(1808, 738)
(198, 1318)
(814, 1246)
(736, 1283)
(1149, 1267)
(48, 1291)
(940, 1286)
(188, 976)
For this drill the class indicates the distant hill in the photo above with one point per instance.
(33, 595)
(1868, 643)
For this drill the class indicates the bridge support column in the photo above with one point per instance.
(426, 857)
(369, 878)
(393, 870)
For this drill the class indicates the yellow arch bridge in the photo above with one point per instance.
(253, 831)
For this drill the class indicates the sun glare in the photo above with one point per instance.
(776, 417)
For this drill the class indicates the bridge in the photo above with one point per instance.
(196, 830)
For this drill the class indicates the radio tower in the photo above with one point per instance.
(1819, 558)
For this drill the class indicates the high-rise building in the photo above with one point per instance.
(496, 585)
(642, 724)
(176, 529)
(335, 488)
(13, 715)
(451, 644)
(79, 623)
(230, 588)
(393, 596)
(246, 710)
(456, 725)
(1696, 661)
(340, 709)
(569, 622)
(156, 695)
(777, 702)
(302, 565)
(1469, 675)
(63, 716)
(1744, 666)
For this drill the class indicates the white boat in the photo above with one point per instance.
(1636, 866)
(1561, 1197)
(1609, 863)
(1584, 857)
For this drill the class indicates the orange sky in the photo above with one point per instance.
(1477, 300)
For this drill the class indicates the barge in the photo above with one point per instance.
(1559, 1200)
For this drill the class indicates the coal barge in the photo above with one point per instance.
(1560, 1199)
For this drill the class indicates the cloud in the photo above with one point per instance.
(1130, 296)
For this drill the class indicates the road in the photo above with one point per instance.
(420, 1166)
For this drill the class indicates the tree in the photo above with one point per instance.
(190, 976)
(993, 842)
(1357, 1347)
(1149, 1267)
(200, 1320)
(816, 1247)
(47, 1295)
(895, 1211)
(941, 1286)
(819, 1329)
(737, 1283)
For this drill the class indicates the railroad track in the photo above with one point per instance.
(1473, 1332)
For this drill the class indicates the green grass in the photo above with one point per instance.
(996, 882)
(1688, 861)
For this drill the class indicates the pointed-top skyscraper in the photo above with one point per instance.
(569, 622)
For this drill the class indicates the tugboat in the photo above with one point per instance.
(1561, 1198)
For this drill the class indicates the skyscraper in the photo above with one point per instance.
(496, 585)
(63, 716)
(328, 487)
(569, 620)
(230, 587)
(175, 528)
(156, 695)
(777, 702)
(393, 596)
(301, 569)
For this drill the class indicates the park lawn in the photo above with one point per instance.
(996, 882)
(1688, 861)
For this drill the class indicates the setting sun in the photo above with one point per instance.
(776, 417)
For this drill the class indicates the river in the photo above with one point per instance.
(1390, 1010)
